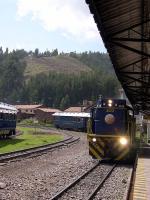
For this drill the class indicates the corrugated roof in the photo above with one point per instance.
(75, 109)
(6, 106)
(28, 106)
(71, 114)
(49, 110)
(8, 111)
(125, 29)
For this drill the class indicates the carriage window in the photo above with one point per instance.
(4, 116)
(72, 119)
(11, 117)
(78, 119)
(63, 118)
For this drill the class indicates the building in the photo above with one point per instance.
(79, 109)
(85, 107)
(75, 109)
(45, 114)
(27, 111)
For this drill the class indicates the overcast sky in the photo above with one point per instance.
(48, 24)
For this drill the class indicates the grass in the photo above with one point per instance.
(30, 122)
(28, 139)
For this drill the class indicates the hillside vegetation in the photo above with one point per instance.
(56, 80)
(60, 64)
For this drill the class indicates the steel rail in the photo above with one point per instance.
(71, 185)
(59, 194)
(93, 194)
(37, 150)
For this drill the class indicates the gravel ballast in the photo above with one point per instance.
(41, 177)
(115, 187)
(84, 188)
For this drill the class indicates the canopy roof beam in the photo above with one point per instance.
(129, 28)
(140, 52)
(131, 39)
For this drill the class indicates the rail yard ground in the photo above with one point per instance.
(31, 137)
(40, 178)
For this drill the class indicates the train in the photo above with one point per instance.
(71, 120)
(8, 115)
(111, 130)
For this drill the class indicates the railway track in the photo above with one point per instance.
(72, 191)
(36, 151)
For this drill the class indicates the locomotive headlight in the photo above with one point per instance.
(94, 139)
(123, 141)
(110, 101)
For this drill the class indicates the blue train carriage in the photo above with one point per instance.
(111, 132)
(7, 120)
(71, 121)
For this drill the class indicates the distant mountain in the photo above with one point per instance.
(60, 64)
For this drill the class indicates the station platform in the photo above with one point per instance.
(141, 190)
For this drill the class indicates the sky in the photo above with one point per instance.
(66, 25)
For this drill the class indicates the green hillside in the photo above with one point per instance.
(55, 79)
(60, 64)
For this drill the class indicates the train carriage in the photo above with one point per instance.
(111, 132)
(7, 120)
(71, 120)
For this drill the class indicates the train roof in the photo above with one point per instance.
(72, 114)
(6, 108)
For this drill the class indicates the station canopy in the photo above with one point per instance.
(124, 26)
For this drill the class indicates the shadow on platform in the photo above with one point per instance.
(144, 151)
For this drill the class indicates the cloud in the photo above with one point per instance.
(70, 17)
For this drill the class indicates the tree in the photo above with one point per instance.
(73, 54)
(1, 51)
(36, 52)
(12, 76)
(7, 51)
(65, 102)
(54, 52)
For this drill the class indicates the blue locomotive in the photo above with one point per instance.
(71, 121)
(7, 120)
(111, 130)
